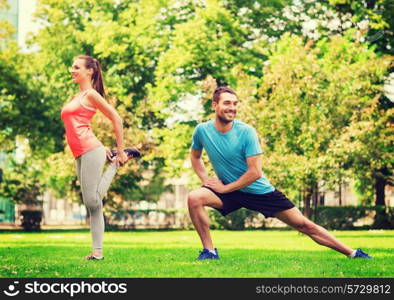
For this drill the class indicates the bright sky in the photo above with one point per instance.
(25, 21)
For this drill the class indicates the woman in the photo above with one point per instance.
(88, 151)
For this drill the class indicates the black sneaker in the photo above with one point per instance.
(130, 152)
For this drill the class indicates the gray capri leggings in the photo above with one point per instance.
(94, 185)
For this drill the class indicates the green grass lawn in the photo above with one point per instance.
(173, 253)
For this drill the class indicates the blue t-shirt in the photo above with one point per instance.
(228, 152)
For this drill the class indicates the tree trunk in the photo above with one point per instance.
(315, 195)
(340, 193)
(315, 200)
(380, 185)
(307, 201)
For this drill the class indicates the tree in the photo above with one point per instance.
(366, 146)
(317, 109)
(212, 43)
(162, 60)
(18, 108)
(374, 173)
(310, 96)
(127, 38)
(376, 18)
(134, 40)
(22, 185)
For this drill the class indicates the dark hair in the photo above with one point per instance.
(92, 63)
(221, 90)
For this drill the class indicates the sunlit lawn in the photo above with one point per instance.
(173, 254)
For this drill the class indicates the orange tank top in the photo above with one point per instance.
(76, 117)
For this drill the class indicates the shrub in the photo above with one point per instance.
(31, 220)
(345, 217)
(238, 220)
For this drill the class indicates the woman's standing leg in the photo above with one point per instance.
(94, 185)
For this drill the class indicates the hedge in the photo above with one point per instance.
(330, 217)
(347, 217)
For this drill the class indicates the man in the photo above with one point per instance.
(235, 153)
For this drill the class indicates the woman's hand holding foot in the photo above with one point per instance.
(121, 158)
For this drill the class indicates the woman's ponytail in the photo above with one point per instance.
(97, 77)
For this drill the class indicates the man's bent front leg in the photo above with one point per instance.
(197, 201)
